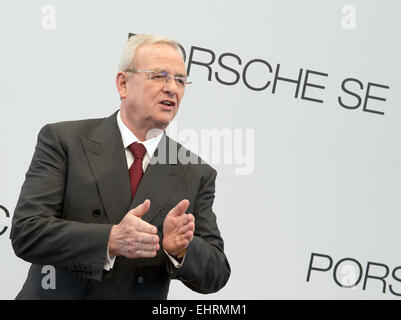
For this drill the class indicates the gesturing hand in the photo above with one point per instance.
(178, 228)
(133, 237)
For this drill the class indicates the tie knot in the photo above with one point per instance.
(138, 150)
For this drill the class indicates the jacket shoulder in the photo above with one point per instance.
(73, 127)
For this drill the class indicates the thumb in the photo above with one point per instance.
(180, 208)
(140, 210)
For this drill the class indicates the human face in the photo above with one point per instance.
(142, 99)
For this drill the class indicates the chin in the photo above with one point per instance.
(162, 123)
(165, 120)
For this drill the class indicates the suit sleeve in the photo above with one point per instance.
(39, 233)
(205, 268)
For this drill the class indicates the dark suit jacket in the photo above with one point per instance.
(77, 187)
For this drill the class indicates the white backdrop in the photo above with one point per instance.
(316, 177)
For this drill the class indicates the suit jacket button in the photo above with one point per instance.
(96, 213)
(139, 280)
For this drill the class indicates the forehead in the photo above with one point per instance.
(159, 56)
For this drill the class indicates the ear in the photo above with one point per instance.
(121, 83)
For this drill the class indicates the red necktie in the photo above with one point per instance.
(136, 171)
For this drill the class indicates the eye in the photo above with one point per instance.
(159, 76)
(180, 81)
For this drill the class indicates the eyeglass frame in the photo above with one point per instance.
(164, 73)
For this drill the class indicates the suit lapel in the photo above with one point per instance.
(106, 157)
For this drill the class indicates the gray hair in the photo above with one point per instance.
(127, 58)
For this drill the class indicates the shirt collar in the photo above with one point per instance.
(129, 138)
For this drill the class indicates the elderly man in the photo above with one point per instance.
(113, 223)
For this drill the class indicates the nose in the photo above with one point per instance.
(170, 87)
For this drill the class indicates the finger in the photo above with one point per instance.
(190, 217)
(185, 228)
(181, 221)
(146, 238)
(187, 235)
(144, 254)
(180, 208)
(148, 247)
(140, 210)
(182, 244)
(186, 219)
(145, 227)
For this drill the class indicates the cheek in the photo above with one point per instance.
(134, 94)
(153, 95)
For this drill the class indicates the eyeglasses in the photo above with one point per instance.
(163, 76)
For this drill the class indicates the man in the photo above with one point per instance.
(112, 222)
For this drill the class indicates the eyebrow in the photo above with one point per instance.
(176, 75)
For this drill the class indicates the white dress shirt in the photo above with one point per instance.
(150, 145)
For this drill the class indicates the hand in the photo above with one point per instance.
(133, 237)
(178, 229)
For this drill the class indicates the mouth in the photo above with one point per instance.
(169, 104)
